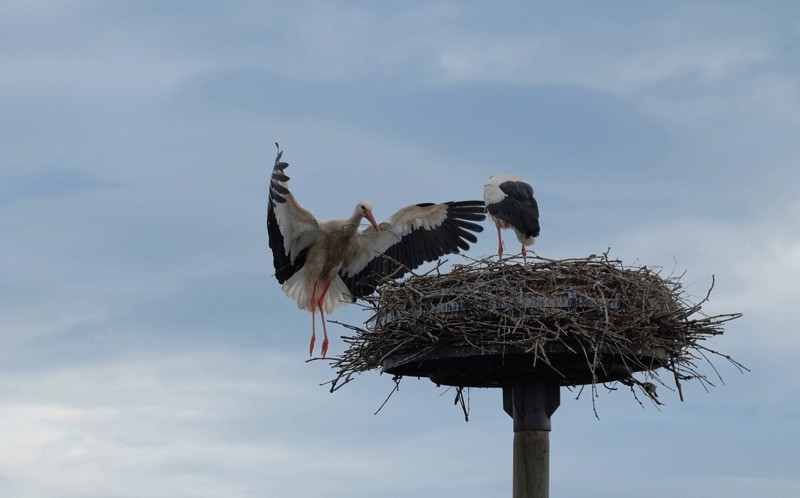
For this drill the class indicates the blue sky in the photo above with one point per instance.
(148, 351)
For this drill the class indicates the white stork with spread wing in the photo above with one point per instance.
(326, 264)
(510, 204)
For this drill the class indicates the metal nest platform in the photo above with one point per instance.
(499, 366)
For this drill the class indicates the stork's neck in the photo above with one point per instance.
(363, 210)
(354, 221)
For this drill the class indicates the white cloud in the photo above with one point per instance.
(695, 44)
(206, 423)
(35, 321)
(627, 61)
(123, 424)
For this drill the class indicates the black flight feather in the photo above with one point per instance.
(419, 246)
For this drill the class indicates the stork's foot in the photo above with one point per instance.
(324, 331)
(324, 347)
(311, 347)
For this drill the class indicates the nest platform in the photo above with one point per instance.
(491, 323)
(498, 366)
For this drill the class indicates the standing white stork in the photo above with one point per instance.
(510, 204)
(326, 264)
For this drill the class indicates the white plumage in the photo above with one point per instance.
(325, 264)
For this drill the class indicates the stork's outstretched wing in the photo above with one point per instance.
(291, 228)
(410, 237)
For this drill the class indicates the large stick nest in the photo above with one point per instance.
(593, 307)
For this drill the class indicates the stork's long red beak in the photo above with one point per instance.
(368, 215)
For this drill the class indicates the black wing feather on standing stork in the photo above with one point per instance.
(519, 209)
(511, 204)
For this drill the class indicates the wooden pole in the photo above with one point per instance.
(531, 404)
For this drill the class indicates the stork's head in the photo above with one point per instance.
(364, 208)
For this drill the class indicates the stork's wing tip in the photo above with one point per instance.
(278, 157)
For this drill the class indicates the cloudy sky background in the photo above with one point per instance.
(148, 351)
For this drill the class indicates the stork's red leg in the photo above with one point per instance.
(313, 322)
(499, 242)
(322, 316)
(524, 259)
